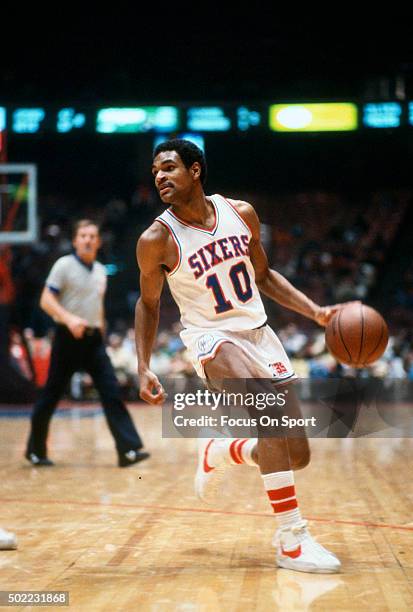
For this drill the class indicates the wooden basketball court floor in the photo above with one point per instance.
(138, 539)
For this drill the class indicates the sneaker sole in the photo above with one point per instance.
(207, 489)
(286, 563)
(9, 545)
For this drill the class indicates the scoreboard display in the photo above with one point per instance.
(168, 119)
(130, 119)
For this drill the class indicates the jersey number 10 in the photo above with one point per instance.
(236, 271)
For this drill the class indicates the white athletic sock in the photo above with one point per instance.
(240, 451)
(232, 450)
(281, 492)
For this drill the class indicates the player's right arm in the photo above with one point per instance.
(151, 254)
(51, 305)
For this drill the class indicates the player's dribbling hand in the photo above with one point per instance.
(150, 389)
(76, 326)
(325, 313)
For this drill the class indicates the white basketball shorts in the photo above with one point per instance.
(262, 346)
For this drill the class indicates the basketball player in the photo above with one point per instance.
(8, 540)
(209, 250)
(73, 296)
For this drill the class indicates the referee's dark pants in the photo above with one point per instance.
(68, 356)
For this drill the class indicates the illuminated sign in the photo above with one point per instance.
(382, 115)
(247, 118)
(410, 107)
(111, 269)
(137, 119)
(200, 120)
(197, 139)
(68, 119)
(207, 119)
(27, 120)
(331, 116)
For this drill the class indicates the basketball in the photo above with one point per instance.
(357, 335)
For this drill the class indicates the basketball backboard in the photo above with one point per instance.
(18, 203)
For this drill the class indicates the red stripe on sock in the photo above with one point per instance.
(291, 504)
(239, 449)
(279, 494)
(233, 451)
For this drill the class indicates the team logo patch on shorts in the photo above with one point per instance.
(279, 370)
(205, 343)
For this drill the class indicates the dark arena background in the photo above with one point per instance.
(321, 143)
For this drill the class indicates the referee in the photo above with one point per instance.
(73, 296)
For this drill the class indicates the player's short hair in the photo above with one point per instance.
(187, 151)
(83, 223)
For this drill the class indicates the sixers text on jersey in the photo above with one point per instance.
(213, 281)
(206, 257)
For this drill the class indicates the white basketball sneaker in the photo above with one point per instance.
(210, 472)
(296, 550)
(8, 541)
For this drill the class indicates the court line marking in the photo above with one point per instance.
(199, 510)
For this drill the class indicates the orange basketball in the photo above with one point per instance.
(357, 335)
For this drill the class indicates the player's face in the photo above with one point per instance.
(173, 180)
(87, 242)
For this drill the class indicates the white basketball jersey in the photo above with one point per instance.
(213, 281)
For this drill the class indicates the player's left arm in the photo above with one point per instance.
(273, 284)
